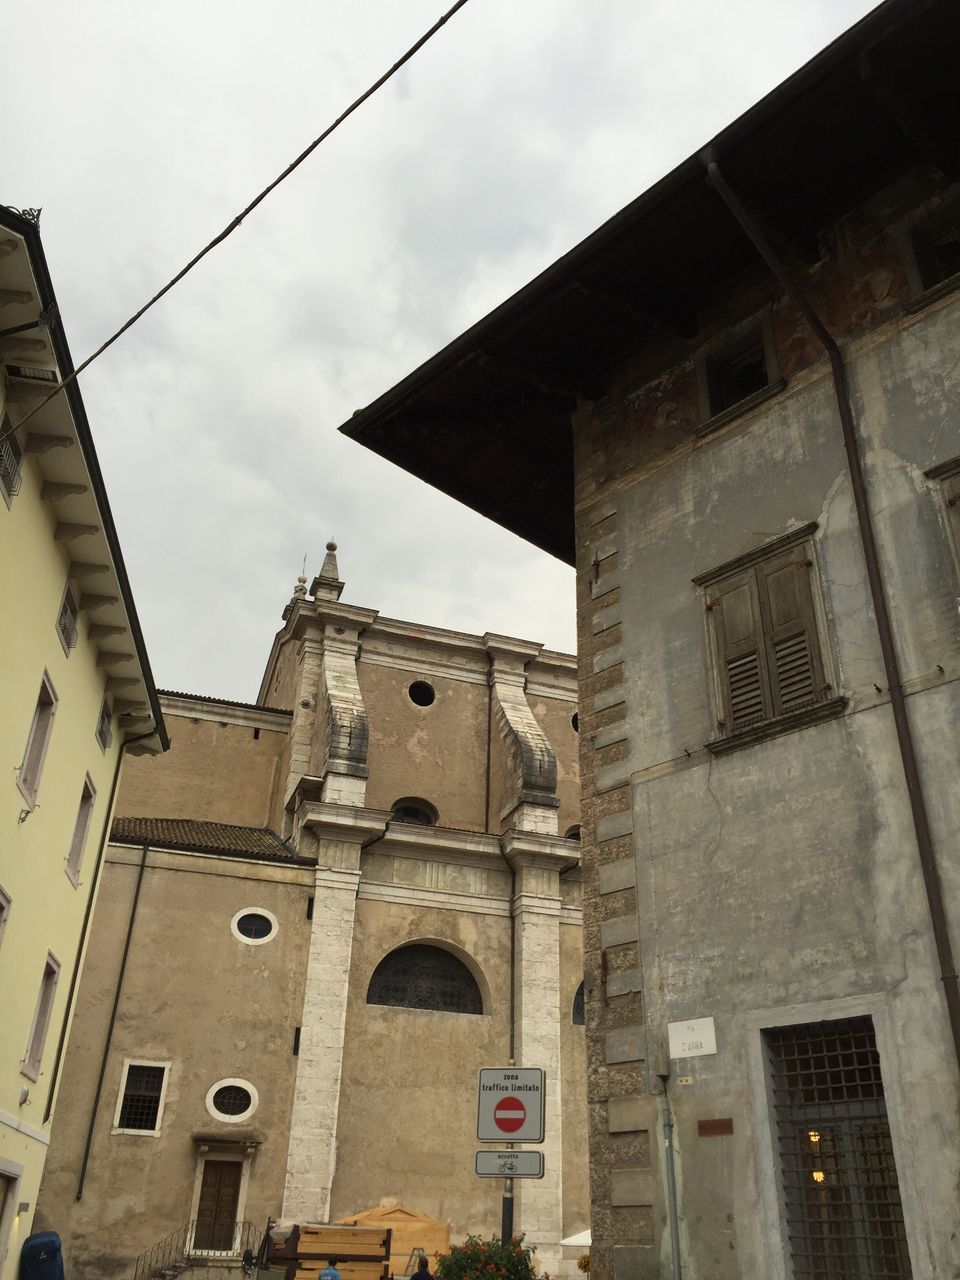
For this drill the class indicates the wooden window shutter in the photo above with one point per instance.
(789, 626)
(740, 651)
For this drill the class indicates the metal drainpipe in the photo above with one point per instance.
(506, 1207)
(888, 648)
(113, 1018)
(87, 912)
(672, 1210)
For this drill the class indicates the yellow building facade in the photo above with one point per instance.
(78, 695)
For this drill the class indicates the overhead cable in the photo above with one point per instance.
(232, 226)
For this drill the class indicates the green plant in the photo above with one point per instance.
(479, 1259)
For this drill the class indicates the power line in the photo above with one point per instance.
(232, 226)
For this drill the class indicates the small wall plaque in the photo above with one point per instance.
(720, 1128)
(694, 1038)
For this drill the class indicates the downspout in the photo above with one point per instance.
(672, 1209)
(506, 1211)
(88, 911)
(113, 1018)
(888, 648)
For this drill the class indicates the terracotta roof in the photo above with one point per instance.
(223, 702)
(205, 837)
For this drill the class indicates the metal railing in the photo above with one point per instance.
(179, 1249)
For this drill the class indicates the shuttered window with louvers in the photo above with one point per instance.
(741, 649)
(789, 625)
(768, 651)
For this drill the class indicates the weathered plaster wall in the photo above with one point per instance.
(214, 1010)
(438, 752)
(408, 1111)
(215, 771)
(778, 883)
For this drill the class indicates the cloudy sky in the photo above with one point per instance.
(143, 128)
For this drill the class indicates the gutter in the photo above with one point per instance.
(31, 235)
(888, 647)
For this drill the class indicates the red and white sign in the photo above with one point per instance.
(510, 1104)
(509, 1114)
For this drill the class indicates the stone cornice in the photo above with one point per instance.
(197, 708)
(439, 844)
(527, 849)
(328, 821)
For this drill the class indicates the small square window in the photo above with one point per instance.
(936, 244)
(737, 373)
(68, 620)
(140, 1103)
(37, 741)
(104, 723)
(11, 461)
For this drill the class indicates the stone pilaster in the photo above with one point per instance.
(336, 835)
(537, 862)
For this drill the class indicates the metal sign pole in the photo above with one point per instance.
(506, 1215)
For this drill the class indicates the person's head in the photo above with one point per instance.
(332, 1262)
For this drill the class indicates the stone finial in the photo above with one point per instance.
(300, 590)
(327, 585)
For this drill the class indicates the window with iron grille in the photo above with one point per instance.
(67, 620)
(104, 722)
(762, 622)
(841, 1198)
(232, 1100)
(424, 977)
(11, 460)
(936, 244)
(142, 1097)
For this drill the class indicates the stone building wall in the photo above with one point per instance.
(778, 883)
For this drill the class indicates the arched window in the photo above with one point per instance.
(572, 834)
(412, 809)
(578, 1017)
(423, 977)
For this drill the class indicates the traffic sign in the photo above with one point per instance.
(510, 1105)
(509, 1164)
(509, 1114)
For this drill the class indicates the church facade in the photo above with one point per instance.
(319, 916)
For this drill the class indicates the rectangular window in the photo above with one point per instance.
(67, 620)
(11, 461)
(841, 1199)
(38, 741)
(737, 372)
(30, 1066)
(763, 626)
(936, 244)
(104, 730)
(81, 830)
(5, 904)
(140, 1104)
(948, 474)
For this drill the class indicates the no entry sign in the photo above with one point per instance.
(510, 1105)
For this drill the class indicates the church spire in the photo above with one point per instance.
(327, 585)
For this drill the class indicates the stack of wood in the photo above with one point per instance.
(362, 1253)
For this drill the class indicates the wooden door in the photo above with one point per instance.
(217, 1208)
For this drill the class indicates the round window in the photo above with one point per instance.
(421, 693)
(232, 1100)
(575, 721)
(254, 926)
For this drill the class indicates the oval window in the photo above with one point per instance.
(255, 925)
(421, 693)
(232, 1100)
